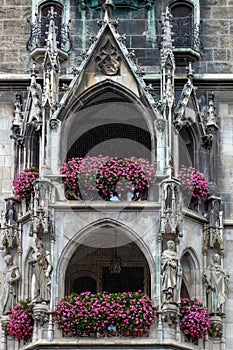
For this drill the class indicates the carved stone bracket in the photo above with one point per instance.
(170, 314)
(216, 326)
(53, 124)
(160, 125)
(41, 317)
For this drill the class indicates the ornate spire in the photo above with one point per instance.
(166, 43)
(52, 36)
(108, 6)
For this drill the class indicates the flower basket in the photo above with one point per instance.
(194, 319)
(102, 314)
(21, 321)
(23, 184)
(88, 177)
(193, 183)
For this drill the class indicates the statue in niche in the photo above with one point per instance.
(42, 269)
(171, 275)
(11, 278)
(216, 279)
(108, 60)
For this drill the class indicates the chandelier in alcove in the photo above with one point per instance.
(115, 266)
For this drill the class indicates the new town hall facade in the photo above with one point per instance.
(111, 80)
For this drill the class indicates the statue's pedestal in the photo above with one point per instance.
(170, 316)
(41, 318)
(216, 326)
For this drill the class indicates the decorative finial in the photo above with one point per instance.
(211, 114)
(190, 71)
(108, 6)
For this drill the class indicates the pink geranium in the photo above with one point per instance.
(195, 318)
(23, 183)
(194, 181)
(21, 321)
(107, 175)
(95, 314)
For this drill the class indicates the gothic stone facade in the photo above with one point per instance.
(121, 79)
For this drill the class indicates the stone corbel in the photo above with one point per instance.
(160, 125)
(216, 326)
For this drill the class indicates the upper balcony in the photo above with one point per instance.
(186, 36)
(40, 31)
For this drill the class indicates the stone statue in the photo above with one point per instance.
(11, 277)
(42, 269)
(216, 279)
(171, 274)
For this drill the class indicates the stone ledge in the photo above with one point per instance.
(108, 344)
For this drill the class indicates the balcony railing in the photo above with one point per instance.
(39, 32)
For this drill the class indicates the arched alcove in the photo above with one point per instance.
(133, 275)
(187, 147)
(191, 274)
(90, 255)
(109, 122)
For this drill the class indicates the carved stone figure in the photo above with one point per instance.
(171, 274)
(217, 285)
(42, 269)
(11, 277)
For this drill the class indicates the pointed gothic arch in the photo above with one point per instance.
(129, 236)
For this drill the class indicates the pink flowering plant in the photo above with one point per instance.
(194, 181)
(95, 314)
(195, 318)
(107, 175)
(80, 175)
(21, 321)
(125, 174)
(23, 183)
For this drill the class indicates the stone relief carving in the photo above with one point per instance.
(108, 59)
(11, 278)
(216, 279)
(171, 275)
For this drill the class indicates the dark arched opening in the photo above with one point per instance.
(92, 267)
(112, 139)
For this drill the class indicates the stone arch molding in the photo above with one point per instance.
(73, 244)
